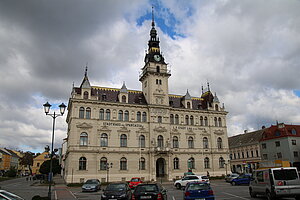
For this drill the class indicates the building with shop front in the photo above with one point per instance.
(116, 134)
(245, 151)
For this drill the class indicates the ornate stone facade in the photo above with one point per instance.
(148, 133)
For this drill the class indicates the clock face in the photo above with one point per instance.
(157, 58)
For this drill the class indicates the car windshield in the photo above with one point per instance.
(11, 196)
(116, 187)
(198, 186)
(146, 188)
(285, 174)
(91, 182)
(135, 180)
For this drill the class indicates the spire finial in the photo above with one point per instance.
(86, 69)
(202, 89)
(153, 24)
(208, 86)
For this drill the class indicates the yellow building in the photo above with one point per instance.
(38, 161)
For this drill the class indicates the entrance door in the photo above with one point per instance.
(160, 167)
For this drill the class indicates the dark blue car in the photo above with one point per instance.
(198, 190)
(243, 179)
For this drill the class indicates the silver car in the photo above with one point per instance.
(91, 185)
(230, 177)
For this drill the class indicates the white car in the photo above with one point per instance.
(190, 178)
(9, 196)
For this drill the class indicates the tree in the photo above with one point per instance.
(12, 172)
(27, 160)
(45, 167)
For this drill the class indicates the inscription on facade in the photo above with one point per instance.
(189, 128)
(122, 124)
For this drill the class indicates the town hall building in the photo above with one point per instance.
(116, 134)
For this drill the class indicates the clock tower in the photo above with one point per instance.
(155, 74)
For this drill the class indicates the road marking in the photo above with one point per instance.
(234, 195)
(55, 195)
(173, 198)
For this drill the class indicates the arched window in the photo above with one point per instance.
(206, 163)
(85, 95)
(142, 141)
(120, 117)
(82, 163)
(157, 69)
(191, 142)
(191, 163)
(201, 121)
(123, 164)
(159, 119)
(103, 163)
(191, 120)
(81, 112)
(176, 163)
(138, 116)
(187, 120)
(144, 119)
(123, 99)
(123, 140)
(176, 119)
(219, 143)
(104, 140)
(221, 162)
(205, 121)
(216, 107)
(107, 114)
(188, 105)
(220, 122)
(101, 114)
(175, 142)
(88, 113)
(126, 116)
(172, 119)
(83, 139)
(160, 141)
(205, 143)
(142, 163)
(216, 121)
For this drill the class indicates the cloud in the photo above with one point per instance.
(247, 51)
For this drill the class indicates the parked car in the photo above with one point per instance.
(40, 177)
(134, 182)
(149, 191)
(182, 182)
(9, 196)
(275, 183)
(229, 177)
(117, 191)
(91, 185)
(204, 178)
(198, 190)
(243, 179)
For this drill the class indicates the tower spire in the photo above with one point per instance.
(153, 24)
(86, 69)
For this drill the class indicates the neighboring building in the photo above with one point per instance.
(38, 161)
(9, 159)
(244, 151)
(281, 142)
(148, 133)
(14, 159)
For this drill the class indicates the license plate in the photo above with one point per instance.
(146, 197)
(112, 199)
(199, 199)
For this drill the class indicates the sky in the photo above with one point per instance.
(247, 50)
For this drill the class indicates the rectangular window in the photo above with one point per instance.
(279, 155)
(264, 145)
(265, 156)
(294, 142)
(296, 154)
(277, 143)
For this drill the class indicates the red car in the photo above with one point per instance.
(134, 182)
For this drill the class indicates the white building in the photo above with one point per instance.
(148, 133)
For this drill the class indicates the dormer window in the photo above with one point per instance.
(188, 105)
(217, 107)
(123, 99)
(277, 133)
(103, 97)
(171, 103)
(294, 132)
(158, 69)
(85, 95)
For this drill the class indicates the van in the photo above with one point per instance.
(275, 183)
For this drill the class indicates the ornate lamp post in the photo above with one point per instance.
(108, 166)
(62, 108)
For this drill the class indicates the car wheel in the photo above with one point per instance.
(252, 194)
(270, 196)
(233, 183)
(178, 186)
(297, 197)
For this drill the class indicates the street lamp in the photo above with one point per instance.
(108, 166)
(62, 108)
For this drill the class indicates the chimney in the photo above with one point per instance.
(263, 127)
(245, 131)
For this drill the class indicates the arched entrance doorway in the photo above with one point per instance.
(160, 167)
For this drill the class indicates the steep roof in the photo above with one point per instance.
(281, 130)
(245, 139)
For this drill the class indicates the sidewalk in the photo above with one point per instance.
(60, 189)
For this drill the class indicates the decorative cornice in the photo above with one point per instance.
(104, 128)
(219, 132)
(160, 129)
(84, 125)
(123, 129)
